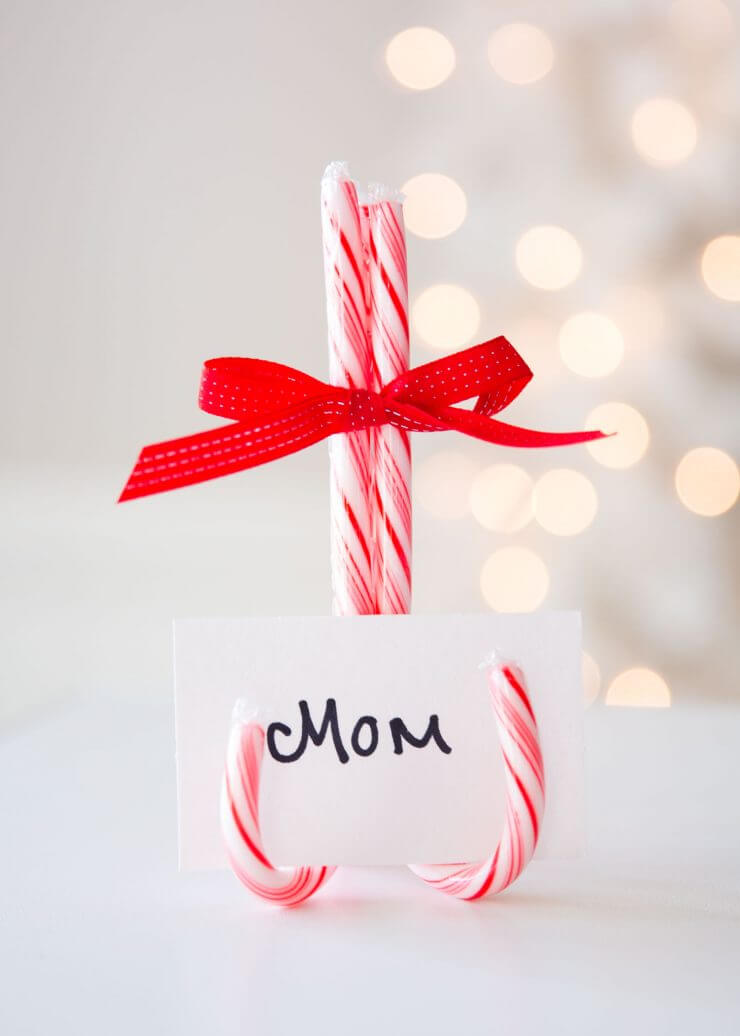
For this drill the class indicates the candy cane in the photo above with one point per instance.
(525, 802)
(350, 365)
(346, 245)
(524, 777)
(240, 822)
(367, 309)
(389, 338)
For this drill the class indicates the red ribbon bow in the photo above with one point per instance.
(277, 410)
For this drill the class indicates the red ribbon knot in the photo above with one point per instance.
(276, 410)
(365, 409)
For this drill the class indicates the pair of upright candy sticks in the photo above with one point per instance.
(367, 311)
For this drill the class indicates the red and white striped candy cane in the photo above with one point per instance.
(525, 794)
(389, 338)
(240, 822)
(525, 803)
(367, 309)
(350, 365)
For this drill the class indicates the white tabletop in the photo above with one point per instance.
(100, 934)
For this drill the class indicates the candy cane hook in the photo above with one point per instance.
(525, 803)
(240, 822)
(525, 794)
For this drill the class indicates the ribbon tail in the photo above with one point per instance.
(220, 451)
(502, 434)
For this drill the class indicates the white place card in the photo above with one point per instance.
(385, 679)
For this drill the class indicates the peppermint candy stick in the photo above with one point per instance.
(240, 822)
(350, 365)
(525, 794)
(389, 338)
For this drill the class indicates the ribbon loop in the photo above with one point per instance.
(238, 387)
(276, 410)
(493, 371)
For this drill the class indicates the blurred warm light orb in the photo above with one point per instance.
(501, 498)
(536, 338)
(520, 53)
(565, 502)
(442, 484)
(639, 688)
(420, 58)
(534, 331)
(638, 313)
(632, 435)
(514, 579)
(435, 205)
(663, 131)
(591, 344)
(591, 676)
(702, 22)
(707, 481)
(548, 257)
(720, 267)
(446, 316)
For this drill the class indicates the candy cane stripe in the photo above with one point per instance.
(241, 827)
(389, 338)
(351, 366)
(525, 795)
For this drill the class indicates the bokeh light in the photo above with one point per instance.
(639, 688)
(720, 267)
(632, 435)
(565, 502)
(704, 23)
(591, 676)
(520, 53)
(663, 131)
(707, 481)
(435, 205)
(501, 498)
(548, 257)
(420, 58)
(514, 579)
(638, 313)
(446, 316)
(591, 344)
(442, 484)
(533, 330)
(536, 338)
